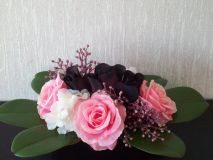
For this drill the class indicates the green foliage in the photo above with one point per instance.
(39, 80)
(20, 113)
(156, 78)
(39, 141)
(172, 146)
(190, 104)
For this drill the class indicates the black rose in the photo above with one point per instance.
(115, 76)
(76, 81)
(120, 79)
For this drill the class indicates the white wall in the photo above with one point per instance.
(172, 38)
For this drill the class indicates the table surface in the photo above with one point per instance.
(197, 135)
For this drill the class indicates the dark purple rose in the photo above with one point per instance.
(120, 79)
(115, 76)
(76, 81)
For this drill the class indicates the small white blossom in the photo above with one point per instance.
(60, 115)
(132, 69)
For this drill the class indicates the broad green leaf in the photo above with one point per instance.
(172, 146)
(20, 113)
(39, 141)
(156, 78)
(39, 80)
(190, 104)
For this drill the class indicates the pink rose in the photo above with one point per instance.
(99, 122)
(163, 107)
(48, 95)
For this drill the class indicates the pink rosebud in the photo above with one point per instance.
(163, 107)
(99, 122)
(48, 95)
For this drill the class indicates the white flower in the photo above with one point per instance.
(60, 115)
(132, 69)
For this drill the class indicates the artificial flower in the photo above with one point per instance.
(76, 81)
(61, 113)
(99, 121)
(132, 69)
(48, 95)
(163, 107)
(120, 79)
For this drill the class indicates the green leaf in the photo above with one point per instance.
(156, 78)
(20, 113)
(172, 146)
(190, 104)
(39, 80)
(39, 141)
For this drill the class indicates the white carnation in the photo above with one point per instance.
(61, 114)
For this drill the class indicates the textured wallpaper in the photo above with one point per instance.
(171, 38)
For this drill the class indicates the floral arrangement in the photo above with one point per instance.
(100, 104)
